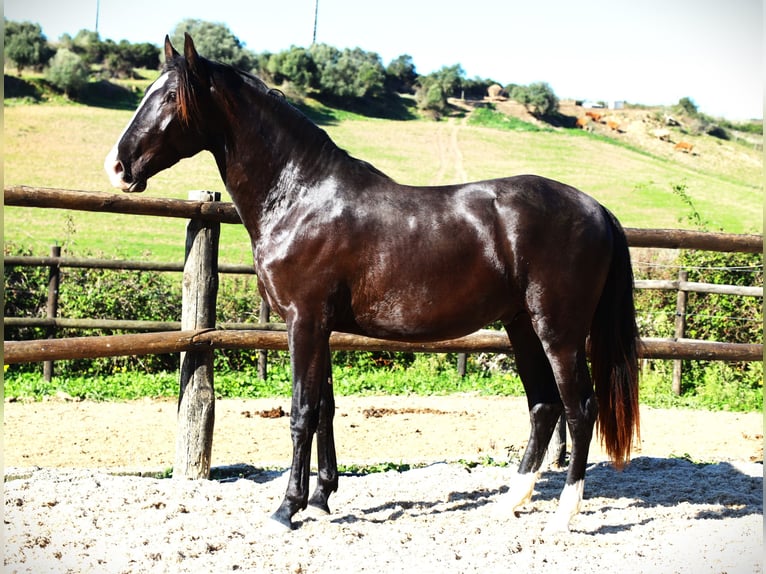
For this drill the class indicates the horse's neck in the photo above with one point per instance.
(270, 157)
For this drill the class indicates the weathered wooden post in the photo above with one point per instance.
(196, 399)
(680, 328)
(462, 362)
(54, 280)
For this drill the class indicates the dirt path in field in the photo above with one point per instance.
(663, 514)
(451, 168)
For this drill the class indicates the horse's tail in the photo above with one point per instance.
(614, 353)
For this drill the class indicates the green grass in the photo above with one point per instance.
(429, 375)
(489, 118)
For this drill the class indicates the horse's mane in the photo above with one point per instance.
(276, 102)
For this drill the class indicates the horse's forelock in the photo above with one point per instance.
(186, 97)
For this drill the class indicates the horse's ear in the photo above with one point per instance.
(170, 52)
(190, 52)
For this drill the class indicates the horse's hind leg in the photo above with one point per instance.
(545, 406)
(327, 475)
(581, 410)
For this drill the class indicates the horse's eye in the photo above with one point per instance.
(170, 96)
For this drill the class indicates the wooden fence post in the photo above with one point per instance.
(263, 354)
(54, 280)
(196, 399)
(680, 328)
(462, 362)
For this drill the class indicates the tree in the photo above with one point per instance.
(476, 88)
(349, 73)
(401, 75)
(87, 44)
(688, 106)
(434, 89)
(537, 97)
(68, 72)
(215, 42)
(26, 45)
(295, 66)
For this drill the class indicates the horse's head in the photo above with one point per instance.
(166, 126)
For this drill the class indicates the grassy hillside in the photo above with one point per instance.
(63, 145)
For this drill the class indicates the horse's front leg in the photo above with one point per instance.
(327, 476)
(310, 357)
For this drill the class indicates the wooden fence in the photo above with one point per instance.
(196, 336)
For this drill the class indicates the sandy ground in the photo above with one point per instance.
(691, 501)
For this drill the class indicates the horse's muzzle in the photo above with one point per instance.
(116, 171)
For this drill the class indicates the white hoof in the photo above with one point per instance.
(559, 524)
(569, 506)
(520, 492)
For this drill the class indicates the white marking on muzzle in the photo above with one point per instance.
(112, 164)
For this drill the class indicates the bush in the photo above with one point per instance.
(68, 72)
(92, 294)
(26, 295)
(712, 317)
(538, 98)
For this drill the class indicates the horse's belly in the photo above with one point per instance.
(431, 315)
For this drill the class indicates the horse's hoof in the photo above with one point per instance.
(280, 522)
(318, 506)
(556, 526)
(316, 511)
(504, 509)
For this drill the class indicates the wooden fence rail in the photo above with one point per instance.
(114, 264)
(484, 340)
(225, 212)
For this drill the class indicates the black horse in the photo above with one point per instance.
(340, 246)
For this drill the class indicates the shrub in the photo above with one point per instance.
(538, 98)
(26, 295)
(68, 72)
(712, 317)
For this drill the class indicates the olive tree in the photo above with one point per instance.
(538, 98)
(26, 45)
(68, 72)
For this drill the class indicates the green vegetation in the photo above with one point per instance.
(490, 118)
(68, 72)
(26, 45)
(719, 390)
(538, 98)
